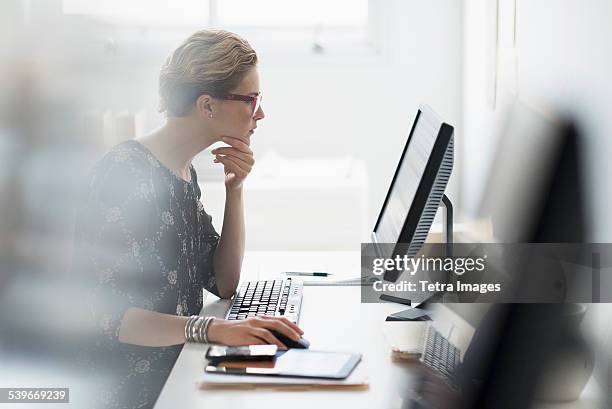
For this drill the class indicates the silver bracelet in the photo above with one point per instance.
(204, 333)
(193, 324)
(188, 328)
(197, 328)
(186, 332)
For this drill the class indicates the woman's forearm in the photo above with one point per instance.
(230, 250)
(151, 329)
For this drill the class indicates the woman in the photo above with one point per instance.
(145, 243)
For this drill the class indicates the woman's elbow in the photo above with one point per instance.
(226, 294)
(226, 290)
(227, 280)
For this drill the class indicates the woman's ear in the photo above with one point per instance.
(204, 106)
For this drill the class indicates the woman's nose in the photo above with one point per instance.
(260, 113)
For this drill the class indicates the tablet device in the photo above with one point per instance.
(295, 363)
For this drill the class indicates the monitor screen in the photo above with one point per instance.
(407, 178)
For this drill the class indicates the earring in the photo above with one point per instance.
(210, 115)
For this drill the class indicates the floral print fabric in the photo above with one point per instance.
(142, 239)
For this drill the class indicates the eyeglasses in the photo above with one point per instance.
(255, 100)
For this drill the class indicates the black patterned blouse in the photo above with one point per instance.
(142, 239)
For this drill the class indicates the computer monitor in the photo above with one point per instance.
(416, 190)
(542, 200)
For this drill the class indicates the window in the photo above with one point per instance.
(161, 12)
(295, 13)
(245, 13)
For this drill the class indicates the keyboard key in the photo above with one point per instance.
(265, 298)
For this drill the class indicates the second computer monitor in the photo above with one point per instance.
(417, 187)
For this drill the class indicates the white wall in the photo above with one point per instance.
(364, 105)
(565, 59)
(563, 62)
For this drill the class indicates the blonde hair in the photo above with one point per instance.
(209, 62)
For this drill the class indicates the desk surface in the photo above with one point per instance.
(333, 318)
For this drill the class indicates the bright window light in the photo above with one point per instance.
(142, 11)
(292, 12)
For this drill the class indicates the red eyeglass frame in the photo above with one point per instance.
(255, 100)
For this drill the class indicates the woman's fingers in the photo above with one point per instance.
(281, 327)
(286, 321)
(231, 166)
(238, 162)
(237, 143)
(248, 158)
(267, 337)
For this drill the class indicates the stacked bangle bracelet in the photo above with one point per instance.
(196, 329)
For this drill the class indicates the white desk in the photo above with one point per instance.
(333, 318)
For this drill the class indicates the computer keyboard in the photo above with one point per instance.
(274, 298)
(439, 354)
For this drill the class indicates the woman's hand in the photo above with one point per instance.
(237, 159)
(252, 331)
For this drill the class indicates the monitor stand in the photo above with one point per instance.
(420, 313)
